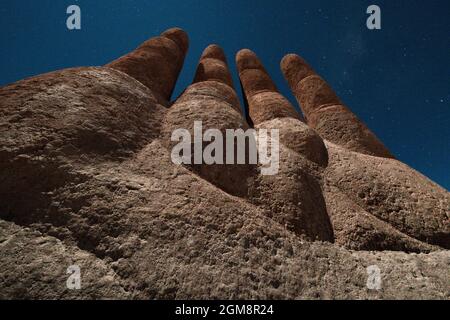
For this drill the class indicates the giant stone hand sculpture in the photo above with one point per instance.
(87, 179)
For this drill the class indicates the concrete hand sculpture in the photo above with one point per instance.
(87, 179)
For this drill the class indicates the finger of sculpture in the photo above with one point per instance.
(157, 62)
(325, 112)
(212, 79)
(213, 66)
(211, 101)
(264, 100)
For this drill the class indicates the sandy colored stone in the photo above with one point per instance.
(157, 62)
(34, 266)
(355, 228)
(264, 100)
(325, 113)
(86, 178)
(213, 66)
(293, 196)
(212, 100)
(392, 192)
(300, 138)
(338, 121)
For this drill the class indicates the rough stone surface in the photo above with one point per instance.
(300, 138)
(293, 196)
(34, 266)
(264, 100)
(157, 62)
(324, 111)
(86, 178)
(392, 192)
(212, 100)
(213, 66)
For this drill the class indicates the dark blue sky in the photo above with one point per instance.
(397, 80)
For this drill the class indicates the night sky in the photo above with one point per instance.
(397, 80)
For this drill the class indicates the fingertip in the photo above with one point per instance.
(214, 51)
(247, 59)
(179, 36)
(295, 68)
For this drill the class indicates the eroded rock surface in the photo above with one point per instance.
(86, 178)
(325, 112)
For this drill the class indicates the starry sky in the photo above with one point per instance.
(397, 79)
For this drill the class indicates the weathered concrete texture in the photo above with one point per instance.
(297, 136)
(355, 228)
(34, 266)
(392, 192)
(293, 196)
(212, 100)
(52, 123)
(264, 100)
(86, 178)
(374, 203)
(169, 234)
(324, 111)
(157, 62)
(213, 66)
